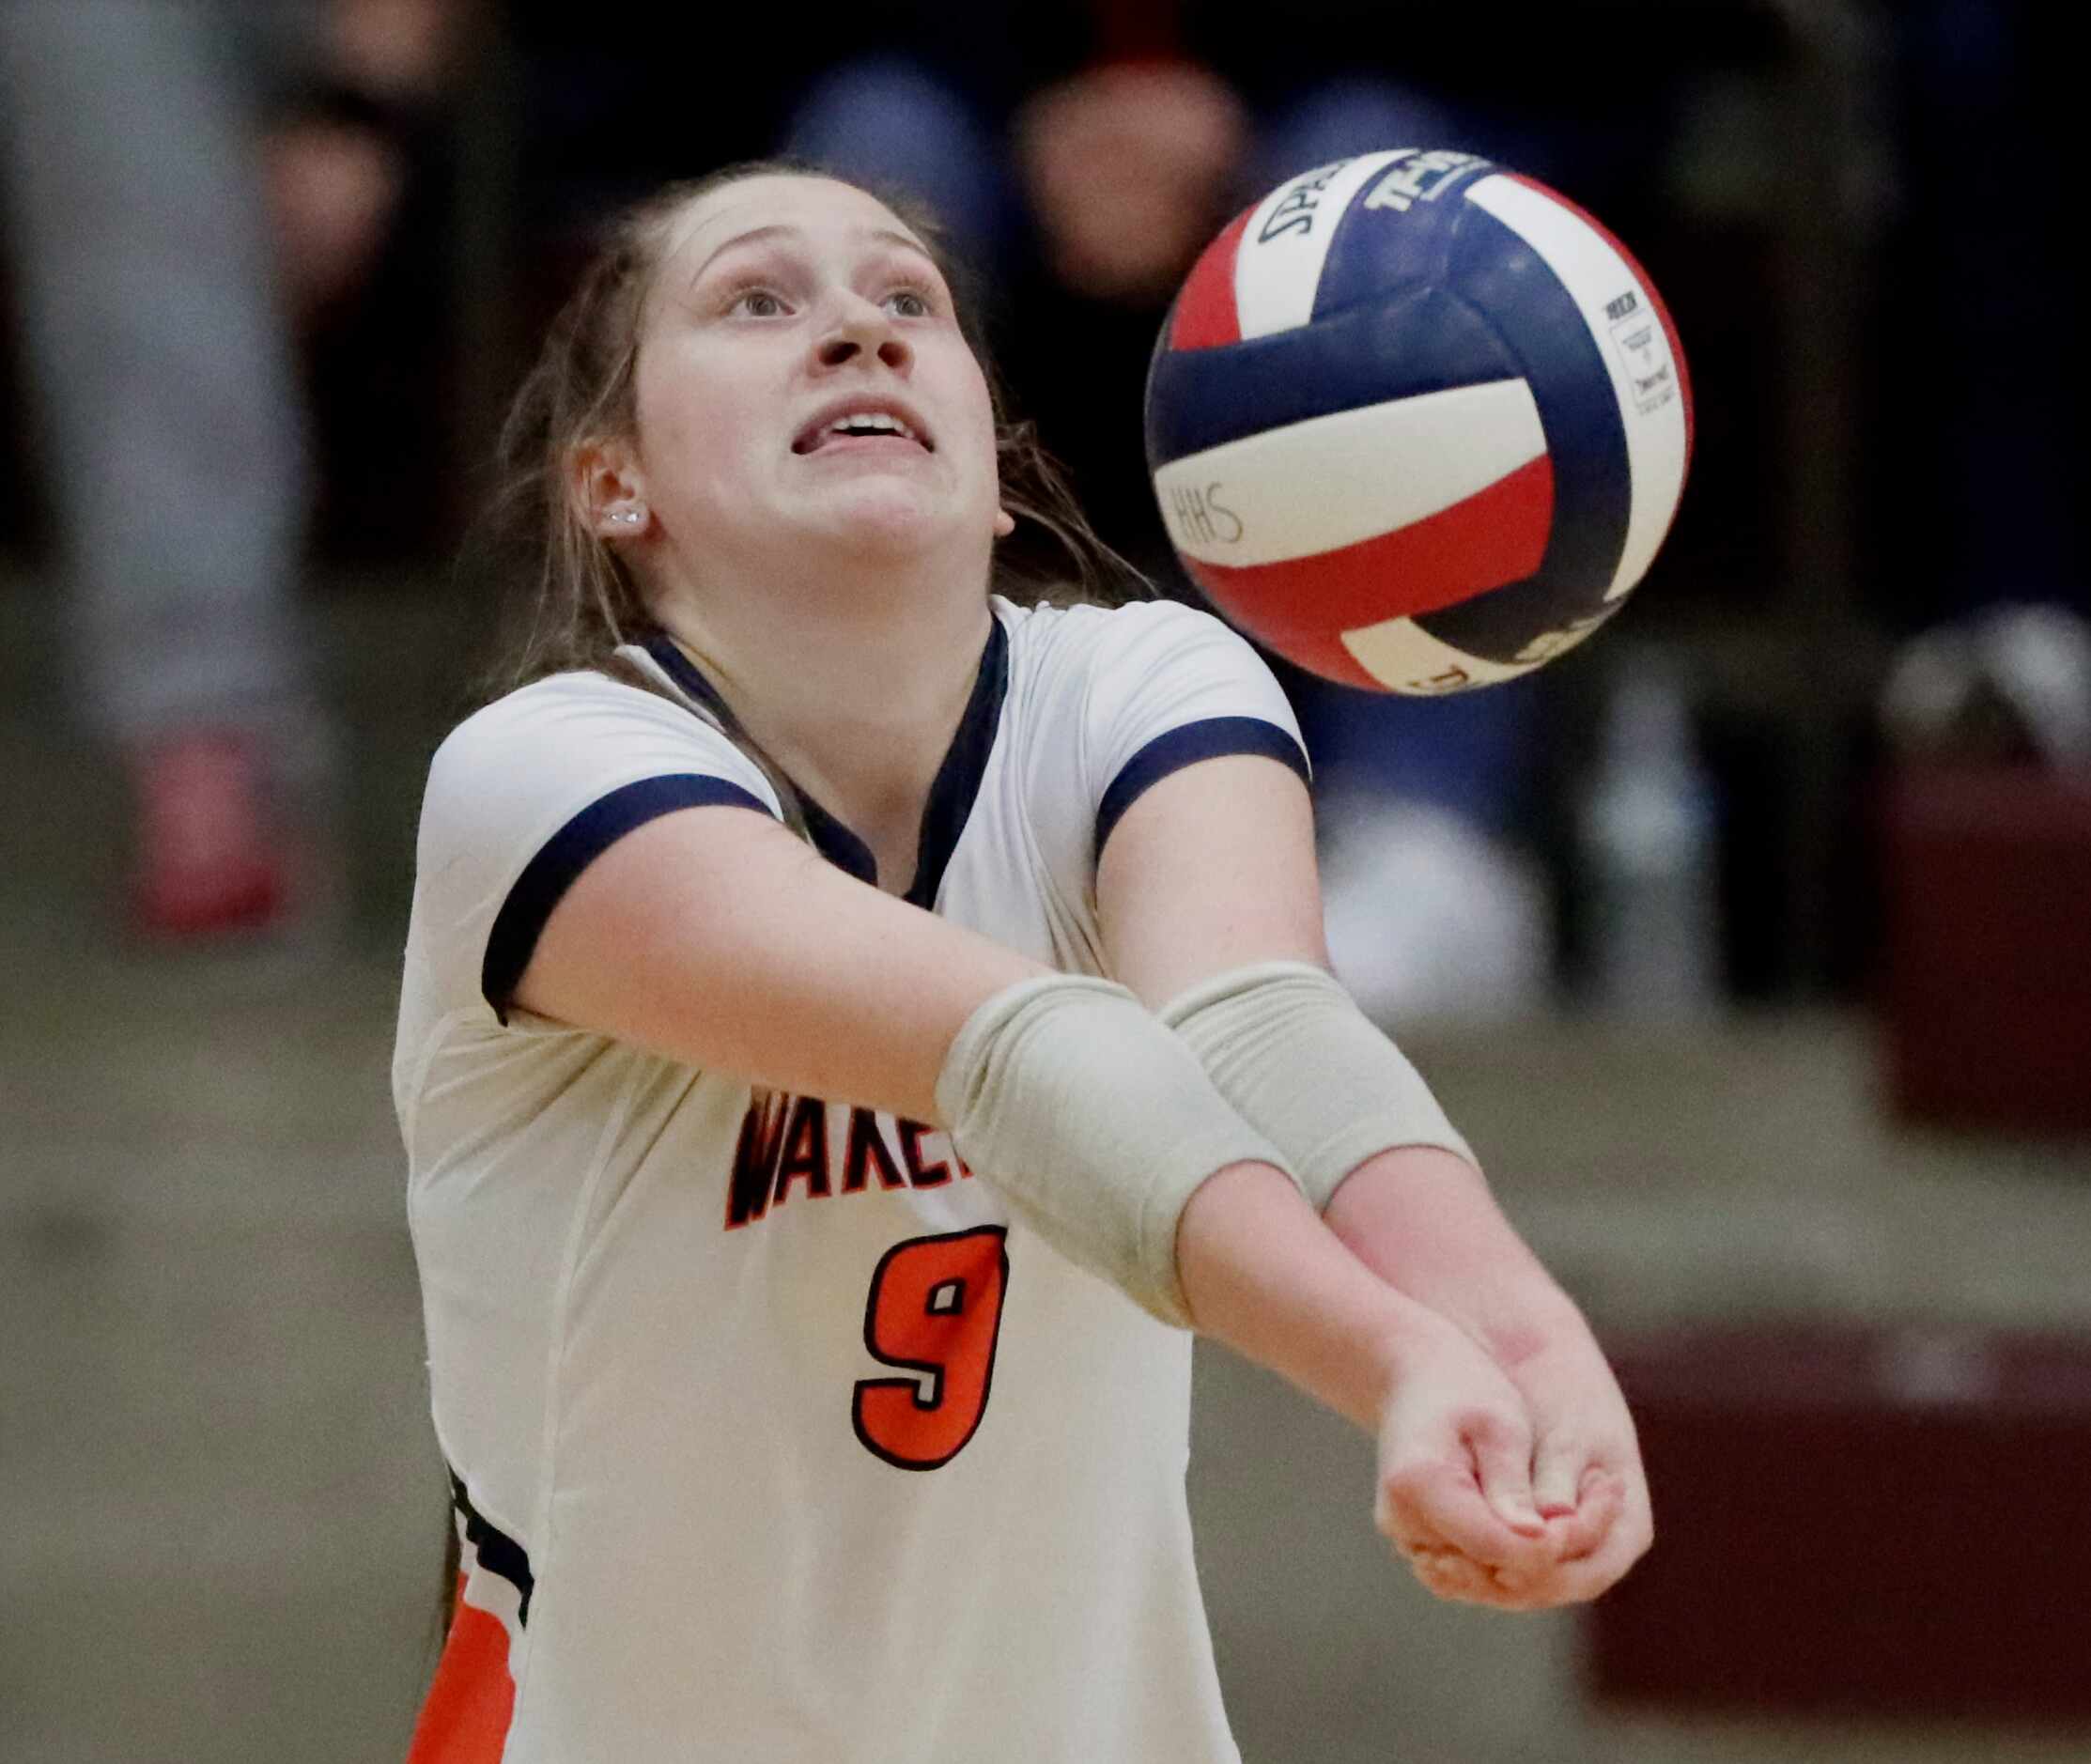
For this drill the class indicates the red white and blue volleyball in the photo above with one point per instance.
(1417, 424)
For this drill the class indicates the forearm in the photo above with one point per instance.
(1105, 1135)
(1356, 1122)
(1263, 1275)
(1425, 1222)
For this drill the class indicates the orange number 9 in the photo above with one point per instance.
(934, 1309)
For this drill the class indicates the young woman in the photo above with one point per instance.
(809, 1232)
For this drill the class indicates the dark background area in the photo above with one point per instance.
(1839, 202)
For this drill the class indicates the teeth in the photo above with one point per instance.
(873, 420)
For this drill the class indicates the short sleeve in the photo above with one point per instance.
(1170, 686)
(524, 794)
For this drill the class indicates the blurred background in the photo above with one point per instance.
(1747, 943)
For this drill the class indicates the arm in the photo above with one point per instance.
(1267, 1278)
(1213, 869)
(1425, 1221)
(714, 937)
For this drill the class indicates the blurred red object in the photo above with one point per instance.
(1986, 1006)
(207, 866)
(1855, 1522)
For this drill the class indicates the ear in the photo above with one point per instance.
(610, 490)
(1005, 523)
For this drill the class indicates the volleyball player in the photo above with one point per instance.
(855, 1028)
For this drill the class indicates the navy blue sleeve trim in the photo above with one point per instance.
(1208, 739)
(548, 875)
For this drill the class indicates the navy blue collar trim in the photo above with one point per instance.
(950, 795)
(958, 778)
(680, 668)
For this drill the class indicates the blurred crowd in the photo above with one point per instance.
(197, 191)
(190, 186)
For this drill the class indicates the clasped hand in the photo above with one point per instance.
(1518, 1486)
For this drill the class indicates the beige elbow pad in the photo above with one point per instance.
(1287, 1046)
(1095, 1123)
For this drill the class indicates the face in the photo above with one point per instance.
(802, 382)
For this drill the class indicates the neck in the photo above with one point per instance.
(858, 700)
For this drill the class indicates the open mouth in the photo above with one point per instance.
(867, 428)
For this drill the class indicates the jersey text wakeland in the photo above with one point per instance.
(785, 1139)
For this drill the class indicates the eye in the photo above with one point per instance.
(910, 302)
(757, 302)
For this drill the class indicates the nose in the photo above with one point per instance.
(863, 328)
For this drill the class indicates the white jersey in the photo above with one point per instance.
(774, 1436)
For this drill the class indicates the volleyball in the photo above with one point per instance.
(1417, 424)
